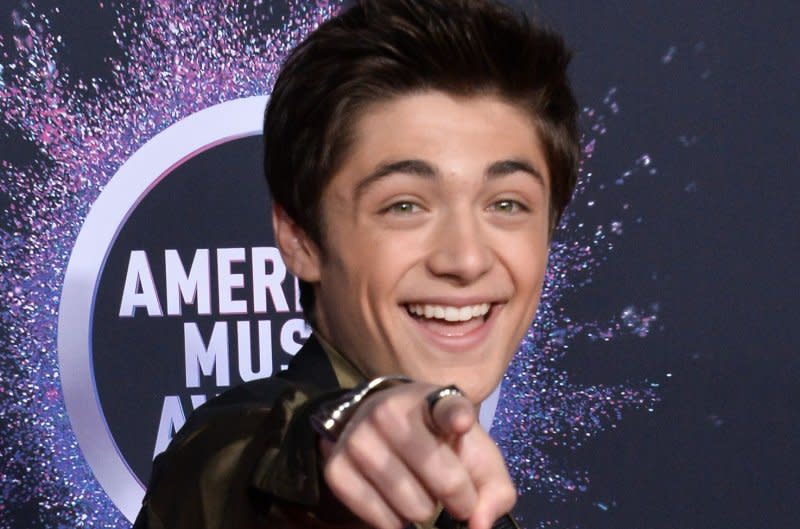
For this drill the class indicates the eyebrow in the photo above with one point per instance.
(425, 170)
(507, 167)
(410, 167)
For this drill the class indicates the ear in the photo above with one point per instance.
(299, 252)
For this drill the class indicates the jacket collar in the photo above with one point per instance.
(311, 363)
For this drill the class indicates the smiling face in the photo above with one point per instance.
(435, 238)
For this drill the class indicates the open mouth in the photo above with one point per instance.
(449, 313)
(449, 321)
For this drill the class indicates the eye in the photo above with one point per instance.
(403, 207)
(508, 206)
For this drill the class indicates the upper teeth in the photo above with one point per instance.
(449, 313)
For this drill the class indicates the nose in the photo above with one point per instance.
(460, 251)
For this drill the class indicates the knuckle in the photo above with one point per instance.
(415, 506)
(384, 520)
(334, 473)
(361, 450)
(508, 496)
(386, 415)
(357, 451)
(452, 485)
(394, 524)
(424, 512)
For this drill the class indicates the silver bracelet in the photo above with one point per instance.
(331, 417)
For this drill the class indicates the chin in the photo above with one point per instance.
(477, 390)
(479, 394)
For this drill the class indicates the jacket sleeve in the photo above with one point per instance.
(247, 459)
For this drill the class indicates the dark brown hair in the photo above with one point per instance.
(381, 49)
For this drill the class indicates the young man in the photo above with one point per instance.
(419, 154)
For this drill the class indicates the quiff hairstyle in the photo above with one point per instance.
(377, 50)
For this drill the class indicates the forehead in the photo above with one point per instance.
(456, 134)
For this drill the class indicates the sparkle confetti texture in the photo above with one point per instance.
(74, 133)
(539, 406)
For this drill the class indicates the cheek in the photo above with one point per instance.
(526, 262)
(366, 275)
(388, 258)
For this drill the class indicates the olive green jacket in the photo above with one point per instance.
(248, 458)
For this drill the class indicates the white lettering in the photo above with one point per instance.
(264, 350)
(197, 401)
(290, 329)
(263, 282)
(297, 306)
(227, 281)
(172, 420)
(139, 289)
(194, 285)
(213, 358)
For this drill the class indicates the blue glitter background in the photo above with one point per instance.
(664, 186)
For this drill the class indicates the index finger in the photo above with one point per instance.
(452, 416)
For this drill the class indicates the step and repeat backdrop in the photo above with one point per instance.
(658, 386)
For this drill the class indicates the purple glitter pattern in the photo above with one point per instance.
(179, 58)
(539, 407)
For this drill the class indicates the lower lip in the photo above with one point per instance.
(459, 343)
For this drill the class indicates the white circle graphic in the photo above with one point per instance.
(135, 178)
